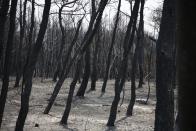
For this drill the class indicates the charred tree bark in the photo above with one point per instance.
(135, 61)
(94, 62)
(57, 72)
(140, 63)
(3, 17)
(128, 42)
(7, 64)
(63, 74)
(164, 113)
(133, 86)
(79, 53)
(141, 46)
(70, 95)
(86, 74)
(87, 69)
(186, 64)
(28, 73)
(30, 37)
(84, 44)
(110, 50)
(22, 33)
(141, 73)
(149, 57)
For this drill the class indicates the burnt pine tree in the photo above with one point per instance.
(87, 68)
(63, 75)
(3, 17)
(86, 75)
(186, 63)
(133, 85)
(28, 73)
(164, 113)
(30, 37)
(8, 53)
(120, 80)
(141, 47)
(70, 95)
(149, 59)
(79, 53)
(110, 50)
(63, 36)
(94, 61)
(22, 33)
(135, 60)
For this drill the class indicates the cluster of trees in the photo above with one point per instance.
(59, 47)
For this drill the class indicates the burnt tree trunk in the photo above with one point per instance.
(128, 42)
(30, 37)
(63, 74)
(86, 75)
(22, 33)
(164, 113)
(141, 46)
(79, 53)
(111, 48)
(94, 61)
(3, 17)
(70, 95)
(8, 53)
(135, 60)
(28, 73)
(57, 72)
(141, 62)
(186, 64)
(87, 68)
(149, 59)
(133, 86)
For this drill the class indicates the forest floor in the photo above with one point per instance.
(88, 114)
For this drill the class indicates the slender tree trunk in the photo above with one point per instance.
(87, 70)
(86, 74)
(79, 53)
(22, 33)
(70, 95)
(3, 17)
(56, 74)
(7, 64)
(135, 60)
(141, 46)
(94, 62)
(128, 42)
(110, 50)
(149, 57)
(164, 113)
(186, 64)
(140, 62)
(30, 37)
(133, 86)
(28, 73)
(63, 74)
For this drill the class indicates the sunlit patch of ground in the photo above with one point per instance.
(88, 114)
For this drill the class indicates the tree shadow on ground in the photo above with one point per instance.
(111, 128)
(121, 119)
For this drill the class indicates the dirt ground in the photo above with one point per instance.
(88, 114)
